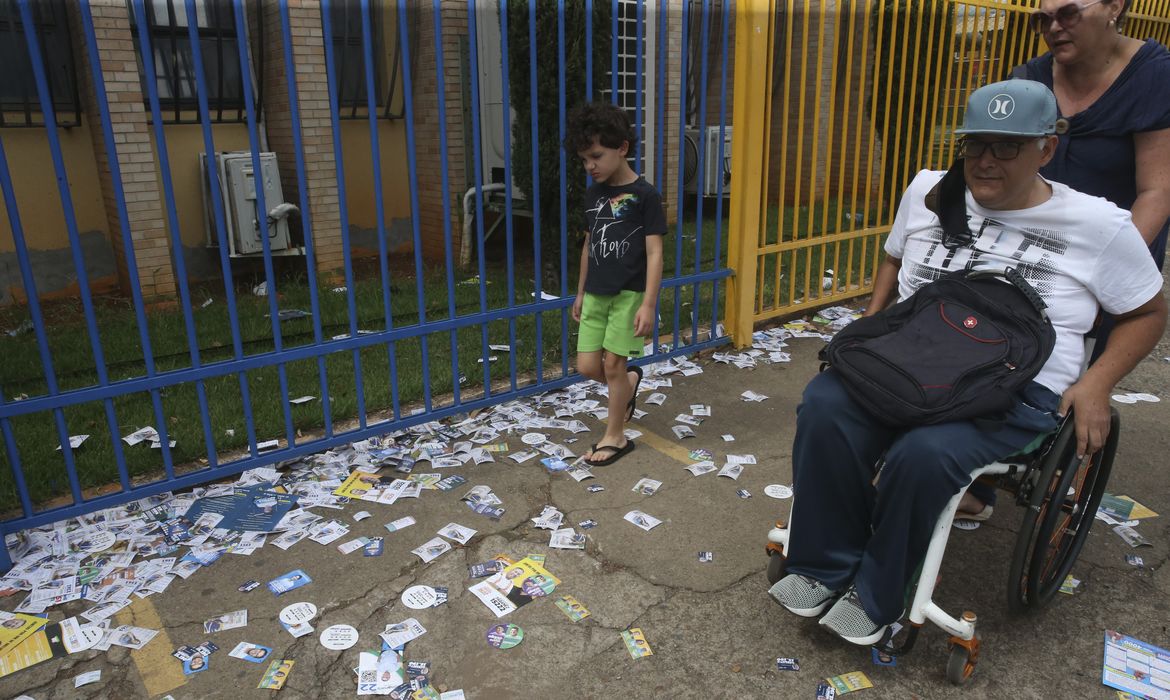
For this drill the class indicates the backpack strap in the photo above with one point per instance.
(1018, 281)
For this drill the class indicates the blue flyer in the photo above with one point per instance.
(289, 582)
(253, 509)
(1135, 667)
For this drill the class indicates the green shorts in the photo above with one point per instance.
(607, 321)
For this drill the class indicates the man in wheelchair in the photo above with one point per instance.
(859, 536)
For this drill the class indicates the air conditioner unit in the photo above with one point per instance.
(237, 182)
(715, 170)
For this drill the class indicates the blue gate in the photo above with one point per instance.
(461, 100)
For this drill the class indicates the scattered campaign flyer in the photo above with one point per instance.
(1136, 667)
(198, 663)
(399, 633)
(328, 532)
(432, 549)
(400, 524)
(227, 621)
(701, 468)
(643, 520)
(136, 637)
(647, 487)
(504, 636)
(254, 653)
(491, 597)
(848, 682)
(15, 628)
(517, 585)
(289, 582)
(78, 637)
(457, 532)
(277, 674)
(566, 538)
(636, 643)
(486, 568)
(374, 547)
(1124, 508)
(579, 472)
(353, 545)
(379, 674)
(251, 509)
(731, 470)
(370, 487)
(572, 608)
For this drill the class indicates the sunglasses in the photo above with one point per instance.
(1068, 16)
(1001, 150)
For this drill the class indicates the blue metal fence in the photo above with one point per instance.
(692, 276)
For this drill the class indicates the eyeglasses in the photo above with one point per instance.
(1002, 150)
(1068, 16)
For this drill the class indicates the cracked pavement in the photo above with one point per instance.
(713, 629)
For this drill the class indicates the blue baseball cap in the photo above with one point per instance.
(1011, 108)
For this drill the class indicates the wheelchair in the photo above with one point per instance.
(1060, 494)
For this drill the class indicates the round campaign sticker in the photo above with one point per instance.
(533, 438)
(297, 613)
(339, 637)
(504, 636)
(1146, 397)
(778, 491)
(98, 542)
(1124, 398)
(419, 597)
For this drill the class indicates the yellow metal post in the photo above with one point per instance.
(754, 22)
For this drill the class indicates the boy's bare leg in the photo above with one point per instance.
(620, 389)
(589, 365)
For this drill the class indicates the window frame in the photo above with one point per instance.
(62, 79)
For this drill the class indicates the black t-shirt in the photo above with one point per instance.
(619, 219)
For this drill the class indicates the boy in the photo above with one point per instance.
(621, 266)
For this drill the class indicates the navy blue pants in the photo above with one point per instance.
(844, 528)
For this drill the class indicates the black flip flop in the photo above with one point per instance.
(618, 453)
(634, 398)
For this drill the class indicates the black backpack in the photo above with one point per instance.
(960, 348)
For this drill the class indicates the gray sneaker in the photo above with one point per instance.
(849, 621)
(802, 595)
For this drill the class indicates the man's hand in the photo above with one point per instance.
(1091, 404)
(577, 308)
(644, 320)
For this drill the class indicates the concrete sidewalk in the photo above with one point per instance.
(713, 629)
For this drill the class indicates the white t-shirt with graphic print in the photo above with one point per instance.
(1078, 251)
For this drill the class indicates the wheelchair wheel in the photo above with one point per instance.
(961, 662)
(1059, 514)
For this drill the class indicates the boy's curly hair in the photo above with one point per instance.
(606, 122)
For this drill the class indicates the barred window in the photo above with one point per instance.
(175, 78)
(19, 101)
(349, 63)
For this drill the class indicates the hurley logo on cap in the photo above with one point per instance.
(1001, 107)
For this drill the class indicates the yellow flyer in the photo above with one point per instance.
(276, 674)
(357, 485)
(636, 643)
(17, 627)
(848, 682)
(44, 644)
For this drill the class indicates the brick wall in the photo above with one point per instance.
(312, 87)
(135, 151)
(821, 119)
(454, 26)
